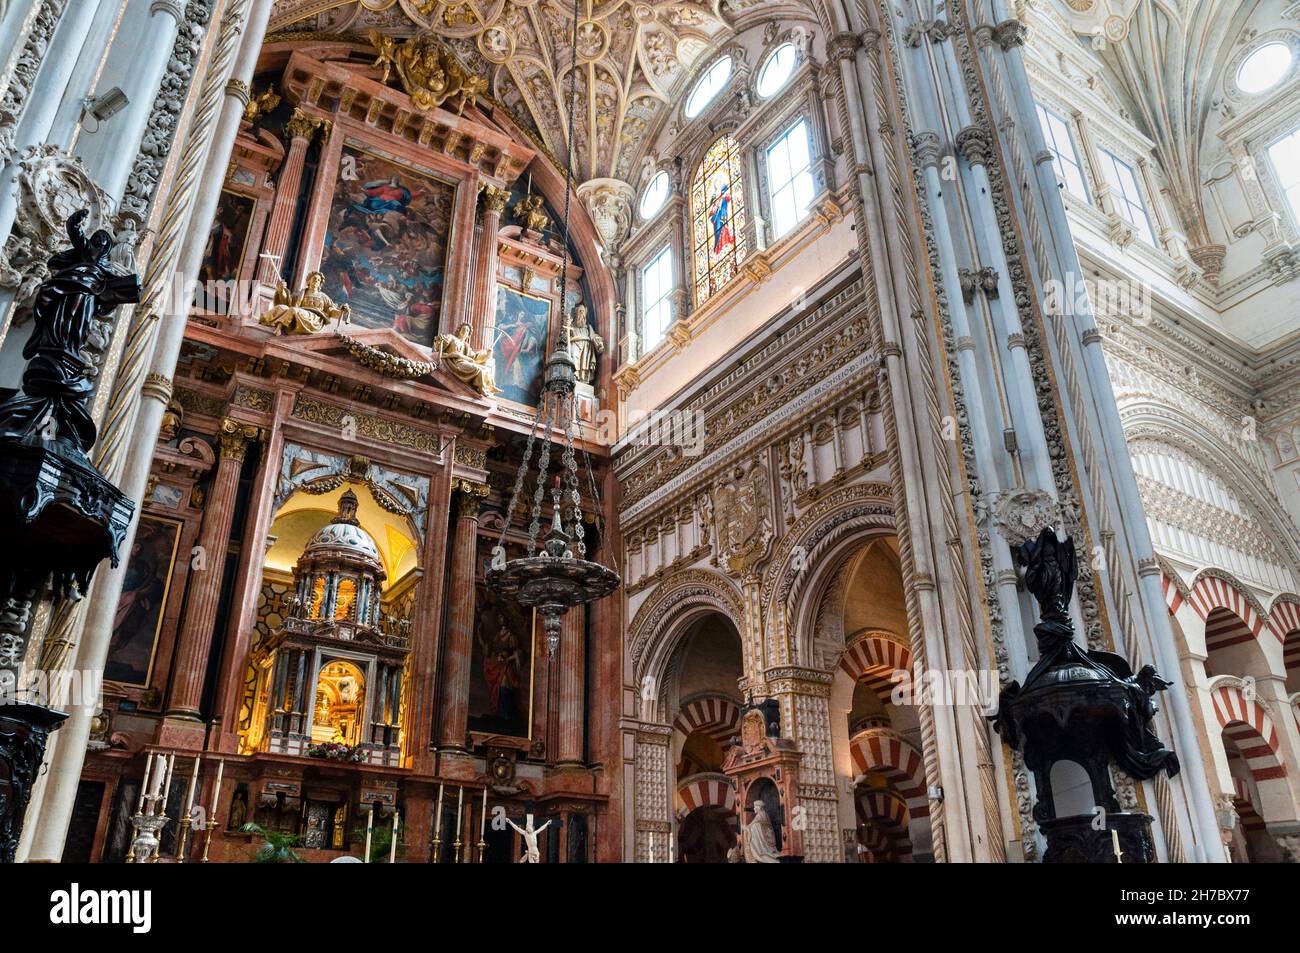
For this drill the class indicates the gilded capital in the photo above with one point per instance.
(470, 496)
(495, 199)
(302, 126)
(234, 436)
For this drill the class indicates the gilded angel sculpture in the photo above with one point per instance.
(305, 312)
(430, 73)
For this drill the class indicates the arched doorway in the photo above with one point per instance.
(701, 690)
(876, 734)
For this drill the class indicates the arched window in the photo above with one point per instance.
(718, 218)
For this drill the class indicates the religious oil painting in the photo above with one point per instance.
(227, 239)
(139, 617)
(718, 218)
(523, 324)
(501, 680)
(386, 245)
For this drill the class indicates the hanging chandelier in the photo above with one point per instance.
(560, 576)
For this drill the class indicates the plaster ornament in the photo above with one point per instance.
(1020, 515)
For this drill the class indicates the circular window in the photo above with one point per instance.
(655, 195)
(777, 70)
(710, 85)
(1264, 68)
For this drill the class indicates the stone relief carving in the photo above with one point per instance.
(1020, 515)
(742, 518)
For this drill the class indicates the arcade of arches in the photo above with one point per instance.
(828, 385)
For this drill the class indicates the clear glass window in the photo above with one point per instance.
(789, 172)
(1056, 131)
(656, 295)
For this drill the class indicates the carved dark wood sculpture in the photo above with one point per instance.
(59, 517)
(1082, 706)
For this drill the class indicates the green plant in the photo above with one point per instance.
(381, 839)
(277, 848)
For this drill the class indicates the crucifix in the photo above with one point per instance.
(529, 834)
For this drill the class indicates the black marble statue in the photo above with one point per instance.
(1083, 706)
(81, 288)
(59, 517)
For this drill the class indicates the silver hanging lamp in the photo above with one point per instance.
(559, 576)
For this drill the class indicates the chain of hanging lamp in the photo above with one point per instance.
(559, 576)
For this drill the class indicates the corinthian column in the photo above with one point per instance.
(301, 129)
(195, 642)
(573, 652)
(460, 620)
(482, 312)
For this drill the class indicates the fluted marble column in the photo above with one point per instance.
(195, 641)
(460, 620)
(301, 129)
(573, 659)
(482, 312)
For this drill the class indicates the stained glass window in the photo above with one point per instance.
(718, 213)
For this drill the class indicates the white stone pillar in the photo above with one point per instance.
(134, 456)
(136, 62)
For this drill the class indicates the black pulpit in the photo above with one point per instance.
(1087, 707)
(59, 517)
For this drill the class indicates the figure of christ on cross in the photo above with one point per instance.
(529, 833)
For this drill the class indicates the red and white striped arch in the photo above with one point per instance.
(883, 813)
(707, 792)
(1173, 595)
(1284, 617)
(875, 658)
(1238, 620)
(1248, 726)
(880, 751)
(1245, 805)
(715, 715)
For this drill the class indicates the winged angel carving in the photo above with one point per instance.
(430, 73)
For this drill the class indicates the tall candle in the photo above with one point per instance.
(1114, 843)
(437, 824)
(652, 847)
(144, 782)
(194, 781)
(167, 784)
(216, 788)
(370, 826)
(392, 847)
(156, 778)
(460, 797)
(482, 821)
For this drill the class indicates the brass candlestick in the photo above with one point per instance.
(207, 841)
(182, 836)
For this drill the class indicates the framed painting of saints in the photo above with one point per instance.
(519, 351)
(227, 239)
(386, 244)
(501, 679)
(139, 619)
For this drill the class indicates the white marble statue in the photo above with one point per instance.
(529, 833)
(760, 841)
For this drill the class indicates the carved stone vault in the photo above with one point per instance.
(634, 59)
